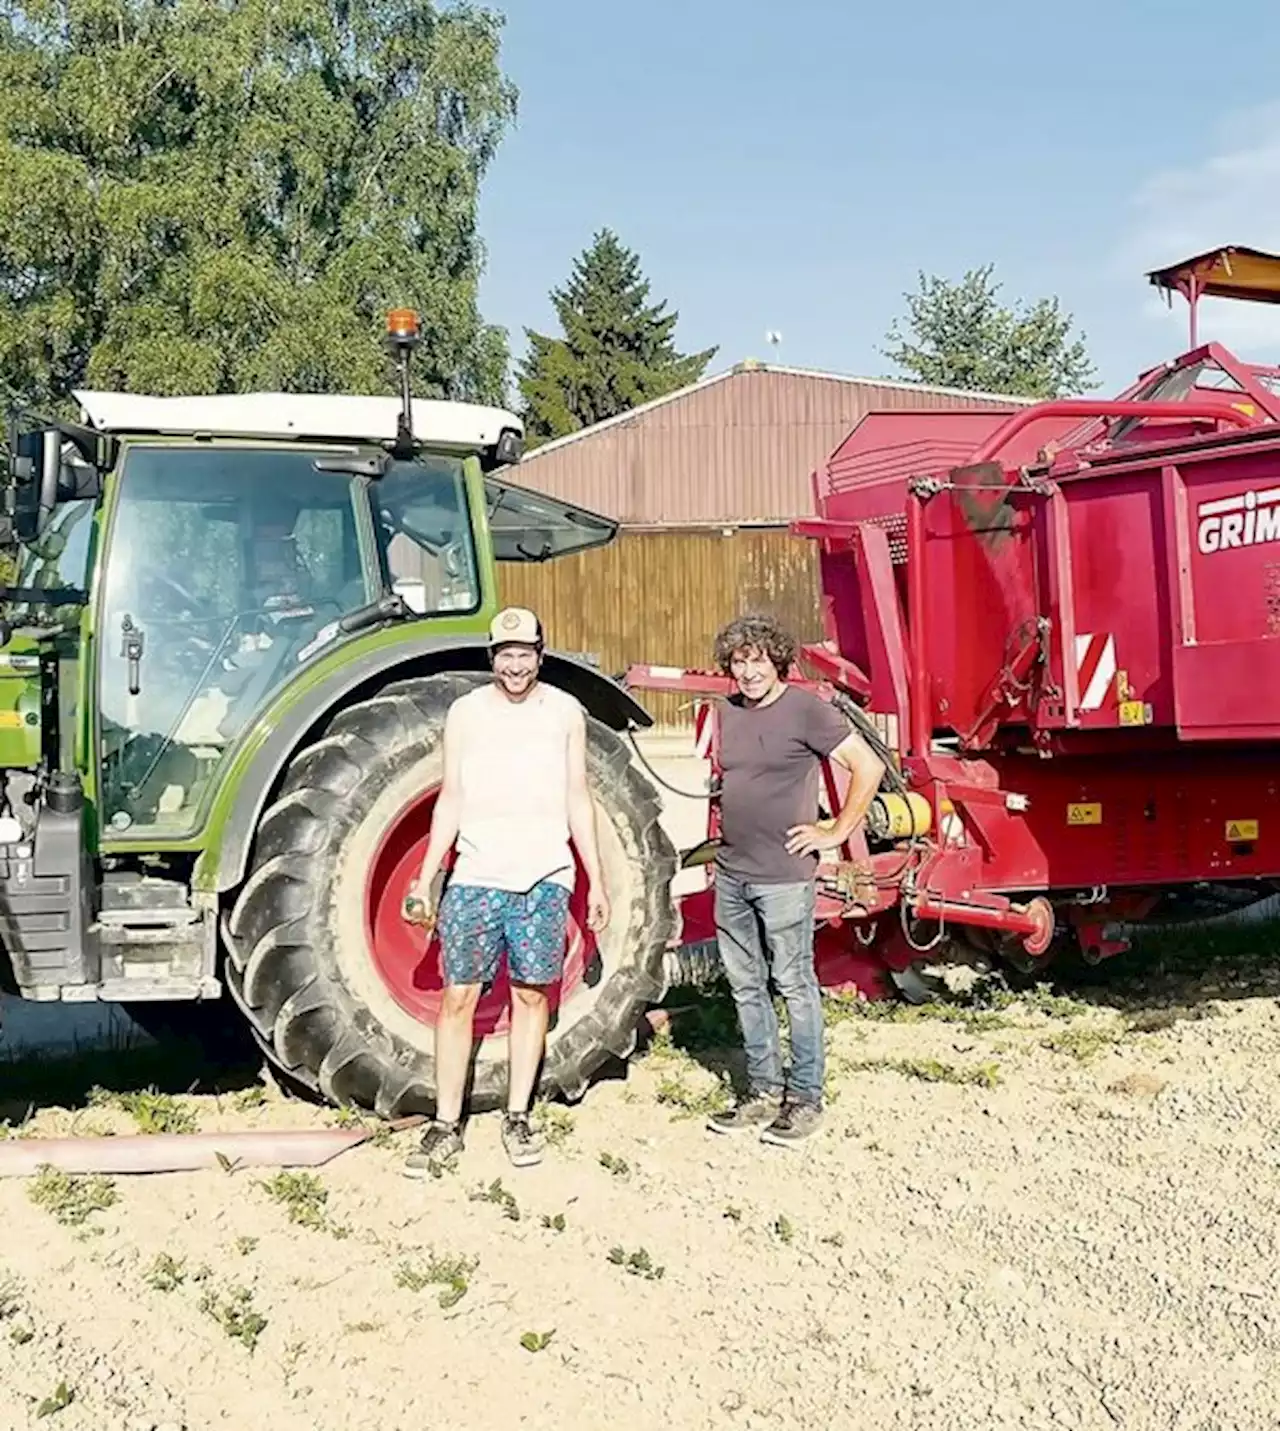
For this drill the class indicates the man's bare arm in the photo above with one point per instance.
(447, 813)
(867, 770)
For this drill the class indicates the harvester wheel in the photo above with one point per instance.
(344, 994)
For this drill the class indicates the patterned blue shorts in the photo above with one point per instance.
(477, 924)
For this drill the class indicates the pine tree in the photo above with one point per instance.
(617, 348)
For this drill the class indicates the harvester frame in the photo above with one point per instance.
(1078, 709)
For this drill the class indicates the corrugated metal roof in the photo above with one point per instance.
(735, 448)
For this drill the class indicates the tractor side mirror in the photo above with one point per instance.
(42, 473)
(27, 480)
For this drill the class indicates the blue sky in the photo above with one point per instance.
(792, 166)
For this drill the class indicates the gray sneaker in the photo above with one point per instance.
(754, 1111)
(523, 1142)
(440, 1142)
(795, 1122)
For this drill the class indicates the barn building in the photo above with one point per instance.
(704, 483)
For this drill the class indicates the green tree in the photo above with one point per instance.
(960, 335)
(617, 349)
(214, 196)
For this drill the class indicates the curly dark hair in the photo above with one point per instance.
(756, 633)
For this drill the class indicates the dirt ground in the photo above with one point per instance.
(1039, 1212)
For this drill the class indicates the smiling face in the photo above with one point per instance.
(515, 669)
(754, 673)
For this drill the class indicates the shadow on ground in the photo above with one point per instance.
(31, 1080)
(1168, 976)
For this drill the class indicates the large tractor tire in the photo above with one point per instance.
(344, 994)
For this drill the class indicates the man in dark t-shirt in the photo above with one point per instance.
(773, 738)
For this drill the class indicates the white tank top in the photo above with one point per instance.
(513, 829)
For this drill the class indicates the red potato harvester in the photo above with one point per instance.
(1062, 628)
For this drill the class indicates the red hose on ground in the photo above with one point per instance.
(186, 1152)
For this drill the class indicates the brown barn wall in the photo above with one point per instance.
(658, 597)
(738, 449)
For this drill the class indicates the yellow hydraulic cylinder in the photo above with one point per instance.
(899, 817)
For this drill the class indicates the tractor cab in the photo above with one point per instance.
(193, 557)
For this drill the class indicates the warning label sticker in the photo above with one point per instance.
(1084, 814)
(1242, 832)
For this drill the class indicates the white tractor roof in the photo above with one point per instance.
(339, 417)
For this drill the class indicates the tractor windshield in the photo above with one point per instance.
(425, 535)
(226, 568)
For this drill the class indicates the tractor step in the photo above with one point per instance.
(44, 914)
(121, 926)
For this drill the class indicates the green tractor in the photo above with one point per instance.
(225, 661)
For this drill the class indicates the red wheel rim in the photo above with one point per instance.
(409, 965)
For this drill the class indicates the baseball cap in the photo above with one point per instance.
(515, 626)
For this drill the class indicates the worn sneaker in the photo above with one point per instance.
(522, 1141)
(440, 1142)
(795, 1122)
(752, 1112)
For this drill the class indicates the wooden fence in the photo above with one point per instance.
(659, 596)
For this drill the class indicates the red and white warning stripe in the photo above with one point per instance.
(702, 724)
(1095, 668)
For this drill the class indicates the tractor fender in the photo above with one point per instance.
(228, 858)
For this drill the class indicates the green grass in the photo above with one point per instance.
(304, 1197)
(151, 1110)
(932, 1070)
(674, 1091)
(127, 1063)
(499, 1196)
(58, 1400)
(234, 1312)
(1083, 1042)
(555, 1122)
(638, 1264)
(619, 1167)
(71, 1200)
(166, 1273)
(450, 1273)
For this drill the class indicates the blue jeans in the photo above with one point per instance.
(764, 927)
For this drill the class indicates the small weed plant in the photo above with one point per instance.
(234, 1312)
(500, 1197)
(451, 1274)
(638, 1264)
(71, 1200)
(304, 1197)
(152, 1111)
(58, 1400)
(933, 1070)
(556, 1123)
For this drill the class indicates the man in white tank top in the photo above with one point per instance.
(514, 795)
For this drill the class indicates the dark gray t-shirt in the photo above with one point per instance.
(771, 759)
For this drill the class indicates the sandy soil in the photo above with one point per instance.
(1088, 1242)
